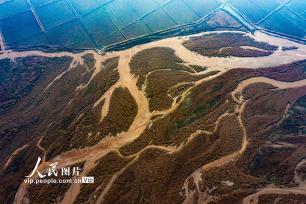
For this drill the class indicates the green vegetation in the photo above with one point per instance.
(159, 70)
(121, 114)
(105, 168)
(20, 166)
(81, 118)
(230, 184)
(159, 82)
(295, 122)
(228, 44)
(281, 199)
(198, 68)
(158, 58)
(17, 79)
(178, 90)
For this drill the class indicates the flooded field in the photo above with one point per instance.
(96, 24)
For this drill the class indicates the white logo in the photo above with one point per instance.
(52, 170)
(47, 175)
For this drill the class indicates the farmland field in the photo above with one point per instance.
(202, 8)
(36, 40)
(120, 14)
(301, 23)
(12, 8)
(135, 29)
(105, 23)
(290, 28)
(98, 29)
(112, 39)
(18, 27)
(160, 16)
(141, 7)
(69, 35)
(298, 6)
(47, 17)
(267, 6)
(84, 7)
(175, 9)
(247, 8)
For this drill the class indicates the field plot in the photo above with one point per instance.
(135, 29)
(103, 2)
(161, 2)
(37, 3)
(142, 7)
(290, 29)
(296, 19)
(247, 8)
(120, 13)
(37, 40)
(112, 39)
(18, 27)
(12, 8)
(304, 15)
(46, 14)
(84, 7)
(158, 16)
(267, 6)
(70, 34)
(298, 6)
(98, 24)
(202, 8)
(176, 8)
